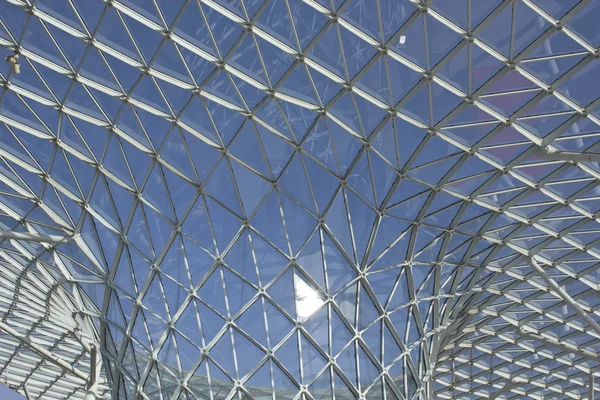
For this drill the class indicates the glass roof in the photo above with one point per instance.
(301, 199)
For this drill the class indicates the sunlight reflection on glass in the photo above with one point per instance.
(308, 299)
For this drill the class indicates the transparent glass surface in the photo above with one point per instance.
(301, 199)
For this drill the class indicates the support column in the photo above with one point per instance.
(92, 386)
(27, 394)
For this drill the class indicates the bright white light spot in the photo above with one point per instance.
(402, 39)
(308, 299)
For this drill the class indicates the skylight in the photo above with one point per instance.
(307, 199)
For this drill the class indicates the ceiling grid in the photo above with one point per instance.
(300, 199)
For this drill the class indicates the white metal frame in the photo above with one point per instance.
(460, 324)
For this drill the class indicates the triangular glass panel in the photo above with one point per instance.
(238, 292)
(289, 356)
(212, 292)
(252, 321)
(251, 187)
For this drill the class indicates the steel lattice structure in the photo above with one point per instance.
(300, 199)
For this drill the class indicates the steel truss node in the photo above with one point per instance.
(300, 199)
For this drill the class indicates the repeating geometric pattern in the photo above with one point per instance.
(33, 309)
(310, 199)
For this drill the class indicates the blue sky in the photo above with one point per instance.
(8, 394)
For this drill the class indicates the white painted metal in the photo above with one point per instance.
(569, 156)
(35, 237)
(480, 304)
(26, 391)
(506, 388)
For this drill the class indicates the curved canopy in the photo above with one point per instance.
(300, 199)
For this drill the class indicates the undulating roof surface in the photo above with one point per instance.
(300, 199)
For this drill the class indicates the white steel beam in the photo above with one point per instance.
(506, 388)
(92, 386)
(27, 394)
(568, 156)
(35, 237)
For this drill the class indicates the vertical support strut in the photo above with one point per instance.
(27, 394)
(591, 387)
(92, 382)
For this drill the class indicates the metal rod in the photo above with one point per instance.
(92, 384)
(27, 394)
(35, 237)
(591, 388)
(568, 156)
(93, 361)
(564, 295)
(506, 388)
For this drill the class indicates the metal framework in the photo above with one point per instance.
(300, 199)
(569, 156)
(36, 238)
